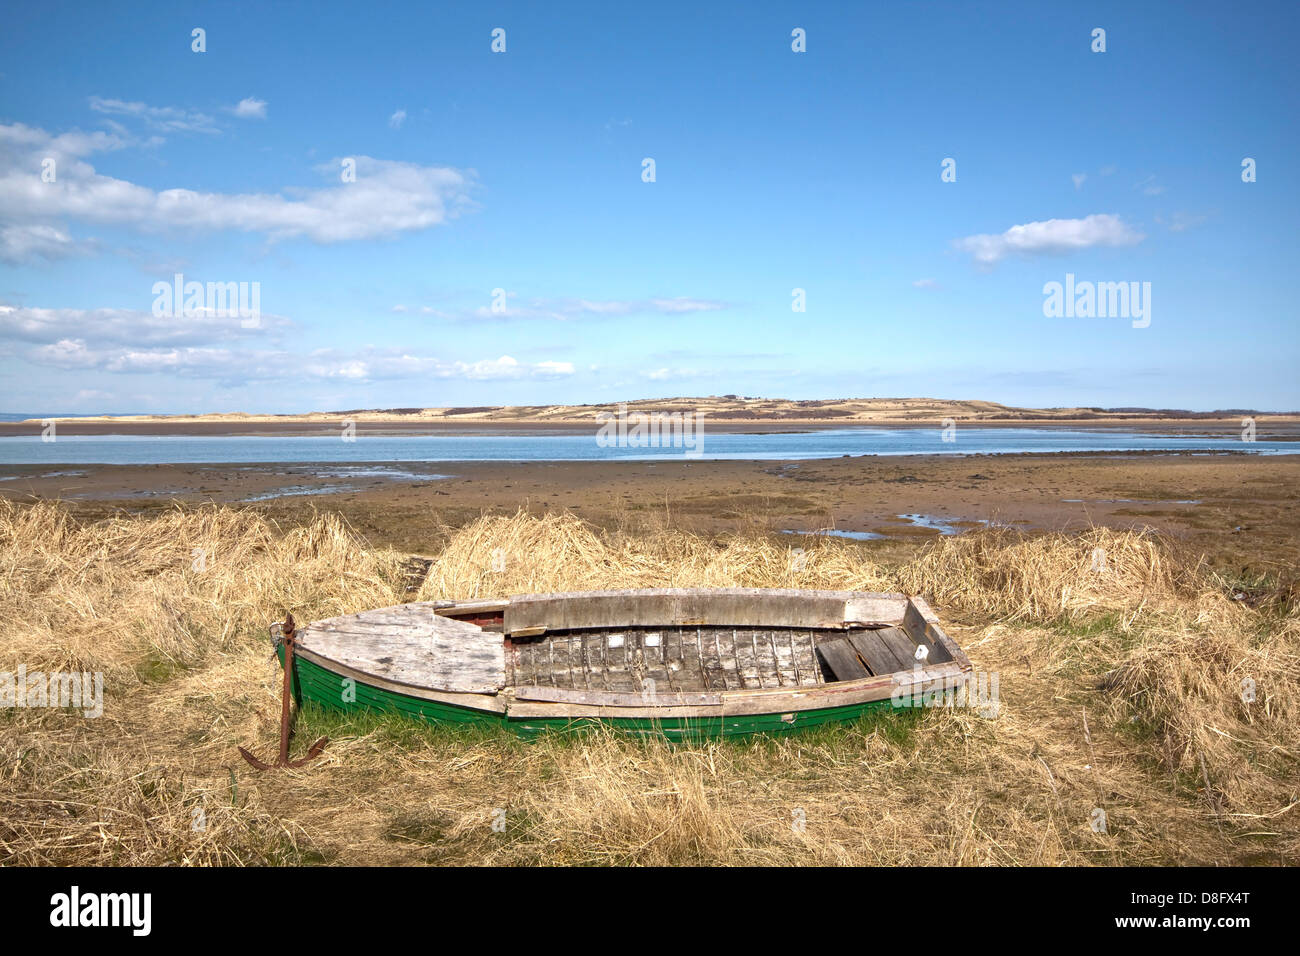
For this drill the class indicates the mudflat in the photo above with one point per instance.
(1237, 508)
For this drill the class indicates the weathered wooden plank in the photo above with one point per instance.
(838, 693)
(764, 659)
(937, 653)
(569, 659)
(842, 659)
(921, 606)
(782, 666)
(879, 657)
(728, 660)
(795, 669)
(464, 608)
(724, 607)
(713, 660)
(679, 659)
(668, 661)
(922, 624)
(566, 711)
(584, 667)
(592, 664)
(863, 607)
(750, 657)
(412, 645)
(746, 666)
(528, 658)
(808, 660)
(493, 703)
(741, 703)
(617, 698)
(705, 679)
(619, 673)
(904, 648)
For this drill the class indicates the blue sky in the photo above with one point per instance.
(522, 171)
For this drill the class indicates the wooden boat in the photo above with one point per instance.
(681, 662)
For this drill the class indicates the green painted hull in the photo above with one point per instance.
(322, 687)
(705, 728)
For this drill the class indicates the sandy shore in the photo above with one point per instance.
(1237, 507)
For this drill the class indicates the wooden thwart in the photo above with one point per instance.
(873, 651)
(900, 645)
(842, 659)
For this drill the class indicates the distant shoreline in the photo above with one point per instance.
(1278, 427)
(732, 413)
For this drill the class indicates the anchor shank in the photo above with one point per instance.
(288, 689)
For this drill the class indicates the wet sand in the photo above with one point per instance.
(1237, 508)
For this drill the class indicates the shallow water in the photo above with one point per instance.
(830, 443)
(292, 491)
(941, 525)
(837, 533)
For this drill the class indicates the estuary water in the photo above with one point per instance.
(710, 445)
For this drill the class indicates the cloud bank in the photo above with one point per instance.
(388, 198)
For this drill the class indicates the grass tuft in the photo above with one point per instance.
(1124, 682)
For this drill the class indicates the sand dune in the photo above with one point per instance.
(727, 408)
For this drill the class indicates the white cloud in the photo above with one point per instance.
(577, 308)
(29, 243)
(503, 367)
(397, 119)
(582, 306)
(926, 284)
(1079, 179)
(36, 142)
(166, 118)
(238, 366)
(682, 304)
(387, 199)
(667, 374)
(250, 108)
(1053, 236)
(109, 327)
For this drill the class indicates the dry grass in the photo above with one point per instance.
(1121, 690)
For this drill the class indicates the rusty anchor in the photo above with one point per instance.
(287, 637)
